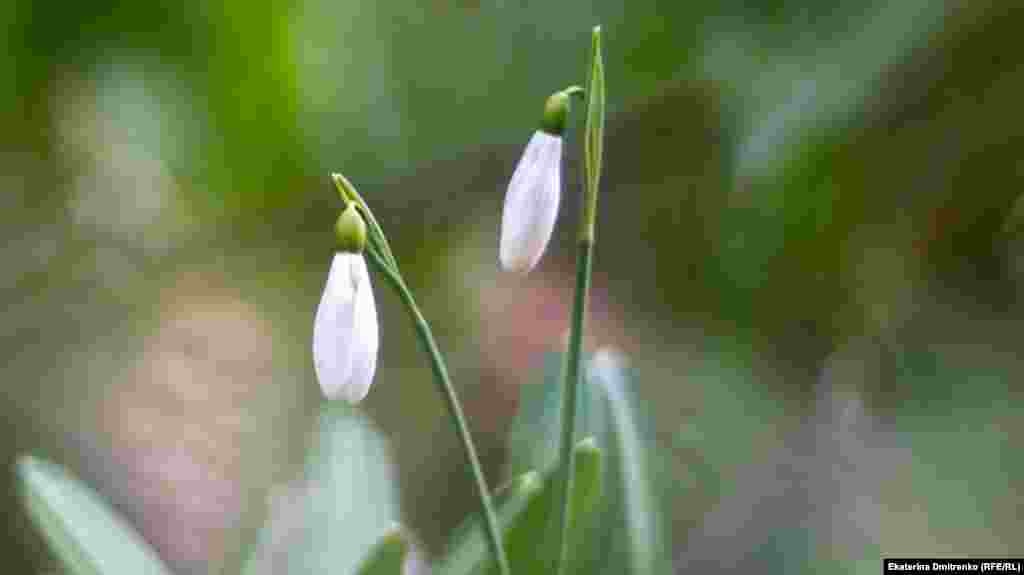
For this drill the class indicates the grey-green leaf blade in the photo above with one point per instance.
(86, 534)
(467, 551)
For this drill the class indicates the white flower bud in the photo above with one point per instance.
(345, 331)
(531, 203)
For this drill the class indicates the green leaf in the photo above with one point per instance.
(593, 136)
(595, 112)
(531, 540)
(467, 549)
(526, 511)
(608, 376)
(387, 556)
(630, 537)
(86, 534)
(331, 516)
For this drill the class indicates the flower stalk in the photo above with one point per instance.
(379, 253)
(593, 143)
(458, 420)
(349, 195)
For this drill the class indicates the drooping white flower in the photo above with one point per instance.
(345, 331)
(531, 203)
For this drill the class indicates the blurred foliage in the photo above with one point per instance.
(467, 549)
(531, 539)
(386, 557)
(525, 509)
(88, 537)
(627, 526)
(798, 196)
(326, 520)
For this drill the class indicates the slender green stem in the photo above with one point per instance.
(593, 138)
(570, 393)
(454, 407)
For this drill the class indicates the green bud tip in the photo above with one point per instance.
(587, 444)
(556, 110)
(350, 230)
(529, 482)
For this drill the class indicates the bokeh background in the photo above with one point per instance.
(810, 248)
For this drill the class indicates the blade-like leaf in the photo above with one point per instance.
(525, 508)
(86, 534)
(593, 136)
(531, 539)
(608, 376)
(630, 537)
(467, 551)
(327, 519)
(388, 556)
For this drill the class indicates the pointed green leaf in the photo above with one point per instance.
(525, 508)
(327, 519)
(593, 136)
(632, 524)
(86, 534)
(532, 539)
(641, 523)
(467, 551)
(387, 556)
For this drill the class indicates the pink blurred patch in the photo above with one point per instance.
(525, 316)
(176, 425)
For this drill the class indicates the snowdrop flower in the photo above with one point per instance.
(534, 192)
(345, 331)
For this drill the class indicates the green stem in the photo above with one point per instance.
(593, 137)
(454, 407)
(570, 393)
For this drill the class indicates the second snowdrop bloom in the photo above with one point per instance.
(345, 332)
(534, 192)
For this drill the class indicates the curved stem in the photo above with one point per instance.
(454, 408)
(348, 193)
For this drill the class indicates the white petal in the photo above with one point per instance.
(335, 318)
(366, 336)
(531, 203)
(338, 346)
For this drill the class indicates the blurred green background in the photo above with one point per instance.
(809, 246)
